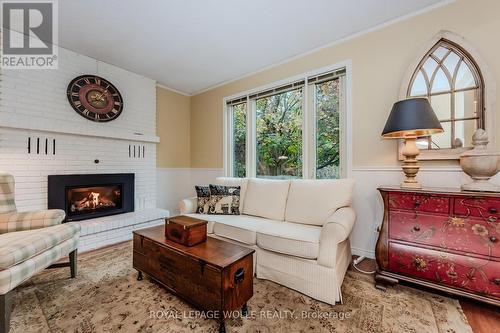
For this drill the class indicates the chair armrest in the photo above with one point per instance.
(336, 229)
(188, 206)
(17, 221)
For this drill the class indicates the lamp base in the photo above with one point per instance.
(410, 164)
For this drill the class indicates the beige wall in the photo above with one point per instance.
(379, 59)
(173, 114)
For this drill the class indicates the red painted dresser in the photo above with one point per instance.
(441, 238)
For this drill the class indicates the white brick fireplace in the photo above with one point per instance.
(41, 135)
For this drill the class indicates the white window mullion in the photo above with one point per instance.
(342, 127)
(251, 161)
(314, 143)
(227, 138)
(305, 133)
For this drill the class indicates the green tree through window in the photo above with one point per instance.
(239, 139)
(327, 129)
(279, 135)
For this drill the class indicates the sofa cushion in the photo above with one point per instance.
(312, 201)
(266, 198)
(16, 247)
(230, 181)
(291, 239)
(224, 200)
(241, 228)
(202, 199)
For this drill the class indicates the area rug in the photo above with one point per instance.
(106, 297)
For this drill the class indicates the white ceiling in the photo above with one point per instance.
(191, 45)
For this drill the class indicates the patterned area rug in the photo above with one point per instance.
(105, 297)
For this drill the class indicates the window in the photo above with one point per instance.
(239, 116)
(327, 112)
(451, 80)
(279, 135)
(293, 130)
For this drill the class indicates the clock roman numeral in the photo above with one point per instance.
(97, 80)
(87, 81)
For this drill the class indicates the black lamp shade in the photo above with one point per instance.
(411, 118)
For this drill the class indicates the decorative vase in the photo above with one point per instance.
(480, 164)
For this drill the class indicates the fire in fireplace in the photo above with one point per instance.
(89, 196)
(97, 198)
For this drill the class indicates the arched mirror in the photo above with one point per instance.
(450, 78)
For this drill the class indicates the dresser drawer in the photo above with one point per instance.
(469, 235)
(487, 208)
(419, 203)
(472, 274)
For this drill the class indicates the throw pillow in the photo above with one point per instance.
(224, 200)
(203, 194)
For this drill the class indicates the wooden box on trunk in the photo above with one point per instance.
(186, 230)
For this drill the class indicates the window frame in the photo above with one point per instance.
(308, 124)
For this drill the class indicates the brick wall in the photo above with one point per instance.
(34, 111)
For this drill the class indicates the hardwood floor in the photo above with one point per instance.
(483, 318)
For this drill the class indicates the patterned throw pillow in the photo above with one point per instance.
(203, 194)
(224, 200)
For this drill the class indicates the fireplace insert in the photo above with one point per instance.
(90, 196)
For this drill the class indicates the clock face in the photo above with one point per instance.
(94, 98)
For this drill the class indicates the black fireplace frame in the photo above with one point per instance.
(59, 184)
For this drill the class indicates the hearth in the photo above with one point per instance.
(89, 196)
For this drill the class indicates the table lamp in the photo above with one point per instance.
(409, 119)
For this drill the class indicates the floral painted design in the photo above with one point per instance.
(480, 230)
(451, 273)
(420, 264)
(457, 222)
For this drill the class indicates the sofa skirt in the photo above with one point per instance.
(304, 275)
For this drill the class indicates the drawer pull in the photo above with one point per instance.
(493, 239)
(239, 275)
(416, 204)
(492, 219)
(416, 228)
(493, 210)
(496, 281)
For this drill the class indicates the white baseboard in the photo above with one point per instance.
(362, 252)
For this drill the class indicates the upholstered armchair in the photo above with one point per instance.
(29, 243)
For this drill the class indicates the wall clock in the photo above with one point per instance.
(94, 98)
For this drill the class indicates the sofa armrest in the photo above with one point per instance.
(17, 221)
(188, 206)
(336, 229)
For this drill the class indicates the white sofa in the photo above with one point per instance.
(299, 229)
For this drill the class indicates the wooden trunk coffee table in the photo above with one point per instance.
(212, 276)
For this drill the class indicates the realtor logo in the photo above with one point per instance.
(29, 34)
